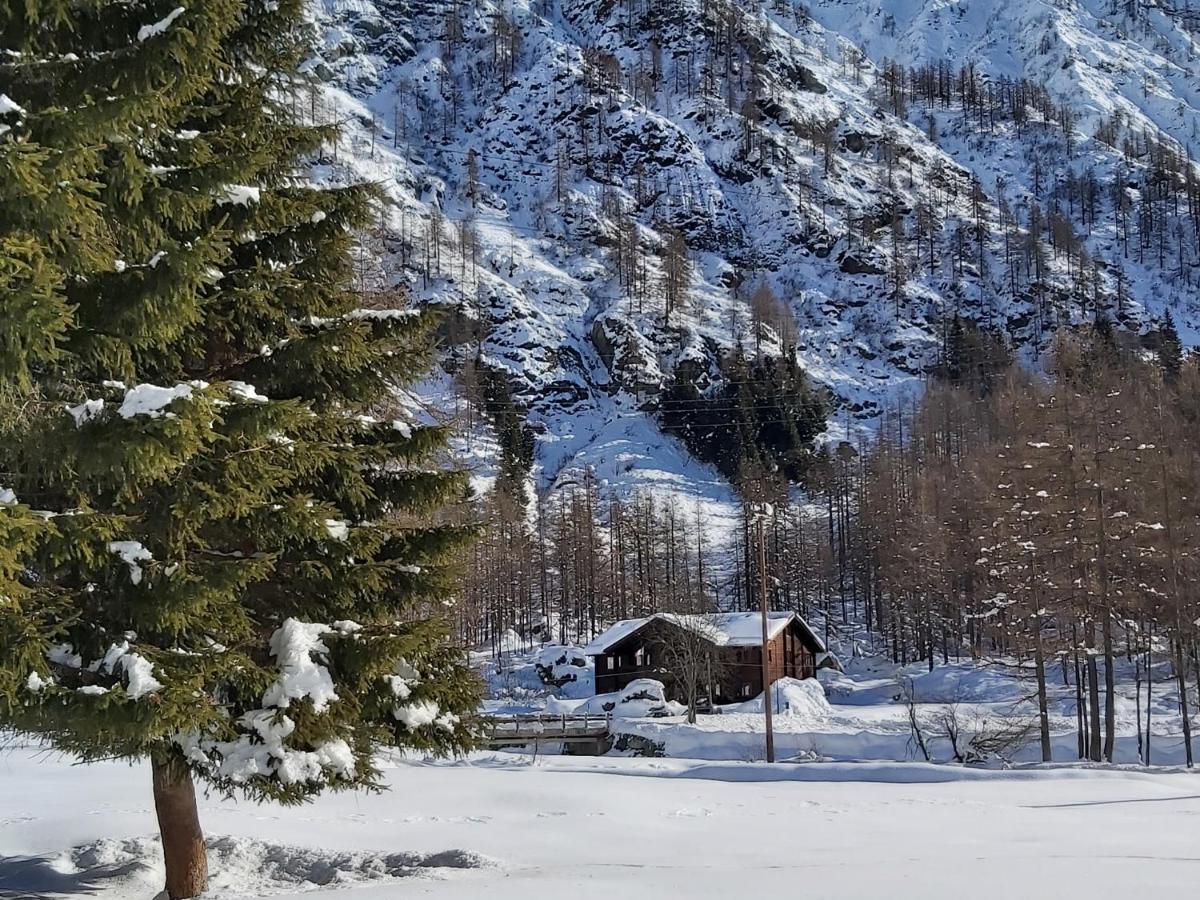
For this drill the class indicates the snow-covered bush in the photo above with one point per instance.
(794, 697)
(639, 699)
(558, 665)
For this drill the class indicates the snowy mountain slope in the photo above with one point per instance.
(1102, 55)
(542, 157)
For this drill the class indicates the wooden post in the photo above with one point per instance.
(179, 825)
(766, 668)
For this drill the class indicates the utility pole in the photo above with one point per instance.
(762, 603)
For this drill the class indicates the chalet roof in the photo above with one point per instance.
(742, 629)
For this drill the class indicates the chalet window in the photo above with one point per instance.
(639, 657)
(614, 661)
(745, 690)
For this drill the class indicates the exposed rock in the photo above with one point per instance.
(628, 355)
(854, 263)
(636, 745)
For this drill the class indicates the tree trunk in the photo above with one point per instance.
(1149, 698)
(1137, 705)
(1094, 738)
(1043, 706)
(1181, 675)
(1086, 736)
(179, 825)
(1110, 689)
(1080, 720)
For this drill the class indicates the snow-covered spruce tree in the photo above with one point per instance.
(216, 552)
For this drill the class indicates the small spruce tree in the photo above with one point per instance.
(218, 552)
(763, 415)
(1170, 349)
(972, 357)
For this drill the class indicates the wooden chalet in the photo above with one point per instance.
(636, 648)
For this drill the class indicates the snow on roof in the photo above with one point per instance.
(613, 635)
(741, 629)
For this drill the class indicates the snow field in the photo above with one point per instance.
(498, 826)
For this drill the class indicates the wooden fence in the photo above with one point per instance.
(511, 731)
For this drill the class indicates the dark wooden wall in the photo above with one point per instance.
(789, 658)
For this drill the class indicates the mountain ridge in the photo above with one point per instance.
(552, 164)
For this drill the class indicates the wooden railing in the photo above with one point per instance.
(536, 729)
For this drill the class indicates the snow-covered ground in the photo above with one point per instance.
(864, 714)
(849, 811)
(871, 722)
(502, 827)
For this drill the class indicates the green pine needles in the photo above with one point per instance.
(216, 550)
(762, 417)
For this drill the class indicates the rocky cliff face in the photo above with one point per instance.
(605, 190)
